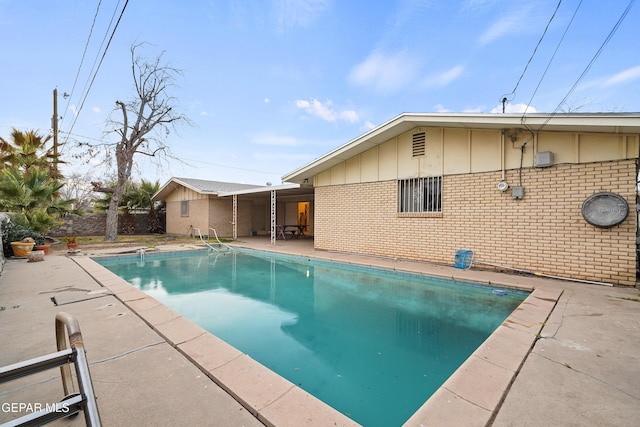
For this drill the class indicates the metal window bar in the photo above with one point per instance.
(73, 402)
(420, 194)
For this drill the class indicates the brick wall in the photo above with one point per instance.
(179, 225)
(221, 216)
(544, 232)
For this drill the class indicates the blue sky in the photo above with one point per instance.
(271, 85)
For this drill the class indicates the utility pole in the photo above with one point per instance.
(54, 125)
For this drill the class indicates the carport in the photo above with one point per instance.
(272, 207)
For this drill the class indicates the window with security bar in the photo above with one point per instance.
(420, 194)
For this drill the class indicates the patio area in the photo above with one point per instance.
(582, 370)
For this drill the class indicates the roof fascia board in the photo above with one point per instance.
(257, 190)
(166, 188)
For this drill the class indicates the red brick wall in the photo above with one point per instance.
(544, 232)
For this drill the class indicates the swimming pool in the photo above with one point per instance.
(373, 344)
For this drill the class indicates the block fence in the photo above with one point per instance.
(94, 224)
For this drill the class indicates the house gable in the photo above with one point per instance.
(461, 151)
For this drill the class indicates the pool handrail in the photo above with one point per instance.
(207, 243)
(73, 402)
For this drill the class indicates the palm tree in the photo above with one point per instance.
(27, 150)
(137, 197)
(30, 181)
(31, 197)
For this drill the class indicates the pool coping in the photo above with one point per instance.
(472, 395)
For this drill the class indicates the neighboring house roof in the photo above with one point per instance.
(201, 186)
(624, 123)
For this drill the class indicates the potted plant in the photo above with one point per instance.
(72, 242)
(23, 247)
(23, 237)
(41, 244)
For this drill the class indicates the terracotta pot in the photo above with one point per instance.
(44, 248)
(21, 249)
(72, 246)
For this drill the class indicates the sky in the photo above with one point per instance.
(271, 85)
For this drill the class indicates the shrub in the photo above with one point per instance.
(12, 232)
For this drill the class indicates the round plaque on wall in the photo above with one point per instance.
(605, 210)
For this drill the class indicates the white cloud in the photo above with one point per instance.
(385, 72)
(514, 108)
(267, 100)
(325, 111)
(95, 109)
(298, 13)
(439, 108)
(515, 22)
(625, 76)
(204, 113)
(369, 125)
(444, 78)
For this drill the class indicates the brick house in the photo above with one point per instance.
(544, 193)
(234, 209)
(196, 203)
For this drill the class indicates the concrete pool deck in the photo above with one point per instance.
(568, 356)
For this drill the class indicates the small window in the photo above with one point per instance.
(419, 144)
(184, 208)
(420, 194)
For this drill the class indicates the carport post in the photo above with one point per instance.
(273, 217)
(235, 217)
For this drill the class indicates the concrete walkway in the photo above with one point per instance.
(583, 371)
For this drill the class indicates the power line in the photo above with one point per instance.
(86, 46)
(185, 160)
(98, 67)
(551, 60)
(588, 67)
(504, 97)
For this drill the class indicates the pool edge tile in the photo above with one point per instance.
(143, 303)
(506, 347)
(445, 408)
(209, 352)
(179, 330)
(155, 315)
(300, 408)
(251, 383)
(480, 382)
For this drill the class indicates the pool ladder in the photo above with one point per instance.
(73, 402)
(208, 244)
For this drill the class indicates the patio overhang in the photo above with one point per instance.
(289, 190)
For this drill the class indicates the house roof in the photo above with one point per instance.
(623, 123)
(201, 186)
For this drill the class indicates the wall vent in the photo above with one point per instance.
(419, 144)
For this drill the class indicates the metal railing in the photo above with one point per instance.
(73, 402)
(208, 242)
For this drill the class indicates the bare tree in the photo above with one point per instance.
(145, 123)
(77, 187)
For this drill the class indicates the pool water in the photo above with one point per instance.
(374, 344)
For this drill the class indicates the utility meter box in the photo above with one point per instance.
(544, 159)
(517, 192)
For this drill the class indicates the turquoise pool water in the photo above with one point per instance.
(372, 343)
